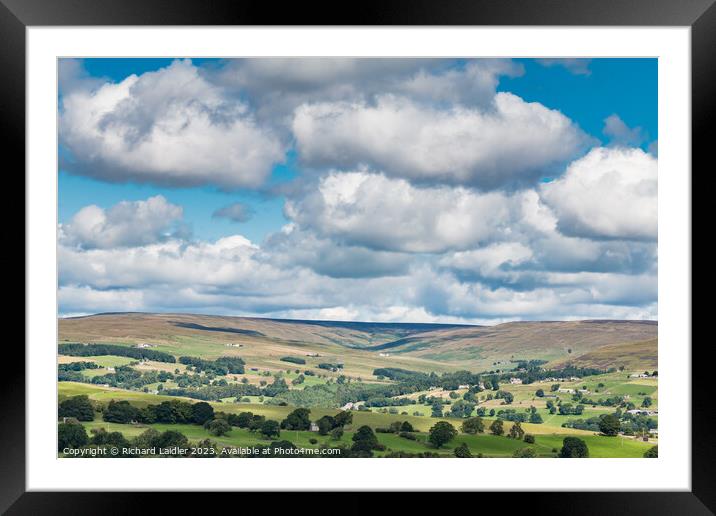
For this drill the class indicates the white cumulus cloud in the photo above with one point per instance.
(513, 142)
(372, 210)
(168, 127)
(609, 193)
(128, 223)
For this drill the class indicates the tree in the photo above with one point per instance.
(78, 407)
(256, 422)
(218, 427)
(120, 412)
(652, 453)
(365, 433)
(539, 393)
(516, 431)
(174, 411)
(535, 417)
(609, 425)
(529, 438)
(437, 410)
(554, 387)
(170, 439)
(473, 425)
(524, 453)
(202, 412)
(463, 452)
(462, 408)
(146, 438)
(344, 418)
(646, 402)
(241, 420)
(497, 427)
(394, 427)
(102, 437)
(337, 433)
(441, 433)
(406, 427)
(297, 420)
(326, 424)
(364, 442)
(573, 447)
(270, 428)
(71, 435)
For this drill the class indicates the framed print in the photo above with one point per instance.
(458, 233)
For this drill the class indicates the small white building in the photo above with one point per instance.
(348, 406)
(567, 391)
(466, 386)
(643, 412)
(516, 381)
(110, 369)
(314, 427)
(384, 354)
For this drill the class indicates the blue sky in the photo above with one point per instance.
(313, 158)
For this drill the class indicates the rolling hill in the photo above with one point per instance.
(631, 355)
(366, 346)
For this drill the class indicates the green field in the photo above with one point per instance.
(488, 445)
(104, 361)
(362, 348)
(548, 436)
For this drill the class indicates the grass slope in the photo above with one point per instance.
(633, 356)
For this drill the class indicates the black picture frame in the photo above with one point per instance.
(700, 15)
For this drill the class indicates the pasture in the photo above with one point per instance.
(362, 348)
